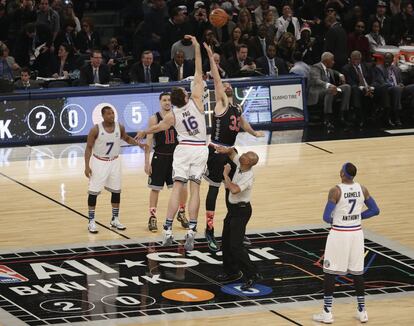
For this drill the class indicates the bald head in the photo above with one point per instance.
(327, 58)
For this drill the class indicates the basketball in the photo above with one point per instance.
(218, 17)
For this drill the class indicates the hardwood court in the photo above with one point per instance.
(292, 181)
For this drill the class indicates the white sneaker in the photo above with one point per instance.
(362, 316)
(116, 224)
(324, 317)
(92, 227)
(189, 240)
(167, 237)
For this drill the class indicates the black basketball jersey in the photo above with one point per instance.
(166, 140)
(225, 127)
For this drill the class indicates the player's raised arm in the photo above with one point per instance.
(248, 128)
(164, 124)
(220, 95)
(93, 134)
(198, 84)
(128, 139)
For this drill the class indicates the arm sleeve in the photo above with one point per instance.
(327, 214)
(372, 209)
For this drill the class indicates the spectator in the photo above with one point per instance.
(199, 20)
(258, 43)
(8, 65)
(25, 82)
(383, 19)
(242, 64)
(389, 76)
(395, 7)
(402, 24)
(359, 76)
(328, 85)
(184, 45)
(268, 21)
(217, 60)
(87, 39)
(264, 6)
(229, 48)
(285, 48)
(375, 39)
(153, 26)
(145, 71)
(49, 17)
(178, 68)
(21, 17)
(287, 23)
(357, 41)
(67, 34)
(96, 72)
(4, 24)
(64, 64)
(113, 51)
(300, 67)
(336, 42)
(309, 46)
(246, 25)
(270, 65)
(352, 18)
(24, 46)
(175, 30)
(210, 39)
(69, 14)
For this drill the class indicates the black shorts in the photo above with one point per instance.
(161, 171)
(215, 167)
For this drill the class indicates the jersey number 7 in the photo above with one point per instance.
(352, 202)
(110, 145)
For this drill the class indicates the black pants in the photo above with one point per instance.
(235, 256)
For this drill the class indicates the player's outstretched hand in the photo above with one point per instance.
(222, 149)
(226, 169)
(259, 133)
(208, 49)
(139, 136)
(88, 172)
(192, 38)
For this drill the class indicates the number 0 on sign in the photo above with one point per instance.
(188, 295)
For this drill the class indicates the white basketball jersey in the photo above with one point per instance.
(347, 212)
(107, 144)
(190, 124)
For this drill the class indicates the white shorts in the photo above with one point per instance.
(104, 174)
(344, 253)
(189, 163)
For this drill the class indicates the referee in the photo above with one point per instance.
(235, 256)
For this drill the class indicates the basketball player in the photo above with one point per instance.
(103, 165)
(190, 155)
(159, 171)
(344, 251)
(227, 121)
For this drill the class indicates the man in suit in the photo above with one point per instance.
(328, 85)
(96, 72)
(336, 41)
(178, 68)
(359, 76)
(145, 71)
(258, 43)
(389, 77)
(25, 82)
(242, 64)
(270, 65)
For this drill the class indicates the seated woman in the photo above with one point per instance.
(63, 65)
(375, 39)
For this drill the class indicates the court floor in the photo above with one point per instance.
(43, 209)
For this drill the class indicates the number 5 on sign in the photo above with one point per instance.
(136, 114)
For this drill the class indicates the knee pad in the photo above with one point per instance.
(92, 200)
(115, 198)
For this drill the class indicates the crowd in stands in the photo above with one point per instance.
(329, 42)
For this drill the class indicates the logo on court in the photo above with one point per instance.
(7, 275)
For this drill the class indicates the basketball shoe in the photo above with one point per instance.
(324, 317)
(167, 237)
(362, 316)
(92, 226)
(211, 240)
(116, 224)
(182, 219)
(189, 240)
(152, 224)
